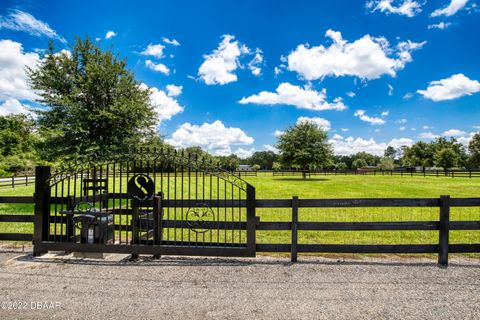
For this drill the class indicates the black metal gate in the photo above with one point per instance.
(158, 202)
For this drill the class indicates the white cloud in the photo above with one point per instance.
(154, 50)
(408, 95)
(320, 122)
(159, 67)
(13, 79)
(361, 114)
(255, 64)
(215, 137)
(219, 66)
(390, 90)
(110, 34)
(401, 120)
(277, 71)
(441, 25)
(22, 21)
(165, 106)
(244, 153)
(450, 88)
(385, 113)
(172, 42)
(269, 147)
(303, 98)
(453, 7)
(344, 129)
(336, 136)
(13, 106)
(352, 145)
(426, 127)
(173, 90)
(402, 128)
(367, 58)
(351, 94)
(428, 135)
(454, 133)
(278, 133)
(407, 8)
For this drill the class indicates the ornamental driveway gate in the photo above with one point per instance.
(149, 202)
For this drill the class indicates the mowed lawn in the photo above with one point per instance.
(269, 187)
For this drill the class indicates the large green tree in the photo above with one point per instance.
(420, 154)
(264, 159)
(305, 146)
(474, 148)
(17, 144)
(95, 105)
(446, 158)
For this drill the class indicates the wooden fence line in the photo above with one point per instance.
(16, 181)
(443, 225)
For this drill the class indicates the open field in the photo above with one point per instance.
(269, 187)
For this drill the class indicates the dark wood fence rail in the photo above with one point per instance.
(16, 181)
(374, 172)
(443, 224)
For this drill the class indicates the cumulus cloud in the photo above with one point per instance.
(13, 106)
(269, 147)
(320, 122)
(13, 79)
(428, 135)
(22, 21)
(453, 7)
(407, 8)
(244, 153)
(351, 94)
(215, 137)
(278, 133)
(441, 25)
(344, 129)
(454, 133)
(300, 97)
(219, 66)
(367, 58)
(165, 105)
(353, 145)
(154, 50)
(173, 90)
(110, 34)
(159, 67)
(361, 114)
(172, 42)
(456, 86)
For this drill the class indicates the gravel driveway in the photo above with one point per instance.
(261, 288)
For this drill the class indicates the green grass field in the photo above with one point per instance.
(269, 187)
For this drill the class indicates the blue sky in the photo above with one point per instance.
(373, 73)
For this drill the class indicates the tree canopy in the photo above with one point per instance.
(305, 146)
(95, 105)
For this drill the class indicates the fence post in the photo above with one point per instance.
(13, 181)
(42, 208)
(251, 221)
(294, 246)
(157, 217)
(26, 180)
(444, 228)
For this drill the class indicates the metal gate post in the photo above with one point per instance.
(251, 221)
(42, 208)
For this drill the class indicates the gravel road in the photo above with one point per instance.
(262, 288)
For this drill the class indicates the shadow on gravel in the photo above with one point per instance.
(176, 261)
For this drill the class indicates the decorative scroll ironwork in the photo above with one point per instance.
(200, 219)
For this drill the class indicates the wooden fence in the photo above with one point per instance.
(443, 224)
(368, 172)
(15, 181)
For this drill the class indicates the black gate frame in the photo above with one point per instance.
(43, 241)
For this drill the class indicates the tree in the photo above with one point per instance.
(341, 166)
(276, 166)
(420, 154)
(474, 149)
(17, 144)
(264, 159)
(95, 106)
(305, 145)
(256, 167)
(359, 163)
(386, 163)
(370, 159)
(446, 158)
(229, 163)
(390, 152)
